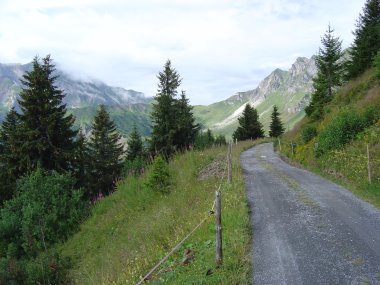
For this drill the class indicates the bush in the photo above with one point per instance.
(308, 133)
(344, 127)
(159, 176)
(376, 63)
(46, 209)
(134, 167)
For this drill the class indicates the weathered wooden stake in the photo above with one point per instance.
(279, 143)
(369, 165)
(292, 149)
(229, 164)
(218, 225)
(236, 141)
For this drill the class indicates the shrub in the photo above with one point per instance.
(376, 63)
(45, 210)
(134, 167)
(308, 133)
(159, 176)
(344, 127)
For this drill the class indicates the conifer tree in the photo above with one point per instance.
(186, 129)
(10, 171)
(276, 128)
(249, 125)
(329, 75)
(163, 113)
(367, 39)
(105, 154)
(48, 137)
(81, 160)
(135, 145)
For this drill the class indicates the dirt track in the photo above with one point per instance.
(307, 230)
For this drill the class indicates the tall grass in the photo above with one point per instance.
(130, 231)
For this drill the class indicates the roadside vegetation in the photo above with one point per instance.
(131, 230)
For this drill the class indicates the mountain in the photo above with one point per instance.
(289, 90)
(127, 107)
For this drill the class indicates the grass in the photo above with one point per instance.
(130, 231)
(347, 165)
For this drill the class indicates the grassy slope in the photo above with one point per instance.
(217, 112)
(347, 166)
(134, 228)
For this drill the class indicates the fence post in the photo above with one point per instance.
(369, 165)
(279, 143)
(229, 164)
(292, 149)
(218, 226)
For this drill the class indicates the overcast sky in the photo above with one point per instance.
(219, 47)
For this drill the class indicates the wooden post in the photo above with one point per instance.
(229, 164)
(369, 165)
(279, 143)
(236, 141)
(292, 149)
(218, 226)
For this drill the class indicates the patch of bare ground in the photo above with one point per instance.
(217, 168)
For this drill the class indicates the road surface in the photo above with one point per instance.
(307, 230)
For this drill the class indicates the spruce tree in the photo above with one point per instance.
(105, 154)
(186, 129)
(276, 128)
(81, 160)
(367, 39)
(135, 145)
(329, 75)
(10, 139)
(47, 134)
(163, 113)
(249, 125)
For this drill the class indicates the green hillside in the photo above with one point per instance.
(336, 145)
(131, 230)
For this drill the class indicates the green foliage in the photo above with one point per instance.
(249, 125)
(367, 39)
(159, 175)
(47, 134)
(204, 140)
(308, 133)
(173, 124)
(10, 156)
(376, 63)
(276, 128)
(343, 128)
(135, 145)
(329, 75)
(46, 210)
(220, 140)
(134, 167)
(105, 154)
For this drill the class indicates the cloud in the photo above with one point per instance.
(219, 47)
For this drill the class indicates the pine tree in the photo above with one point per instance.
(135, 145)
(163, 114)
(276, 128)
(249, 125)
(329, 75)
(81, 161)
(105, 154)
(367, 39)
(186, 129)
(10, 171)
(48, 137)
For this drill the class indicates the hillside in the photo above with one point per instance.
(289, 90)
(336, 145)
(126, 107)
(131, 230)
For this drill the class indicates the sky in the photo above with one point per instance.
(219, 47)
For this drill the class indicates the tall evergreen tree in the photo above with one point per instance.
(367, 39)
(329, 75)
(10, 139)
(135, 145)
(276, 127)
(81, 160)
(48, 137)
(186, 129)
(164, 110)
(105, 154)
(249, 125)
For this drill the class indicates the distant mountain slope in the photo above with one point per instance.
(127, 107)
(289, 90)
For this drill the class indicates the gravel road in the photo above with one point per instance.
(307, 230)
